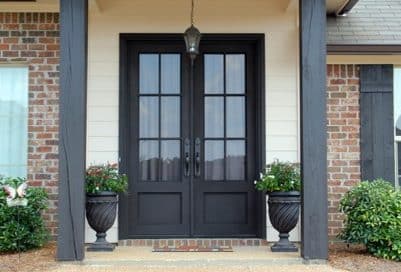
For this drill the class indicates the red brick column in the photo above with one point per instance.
(343, 140)
(32, 39)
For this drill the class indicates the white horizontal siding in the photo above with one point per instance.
(225, 16)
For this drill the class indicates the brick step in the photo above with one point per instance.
(193, 242)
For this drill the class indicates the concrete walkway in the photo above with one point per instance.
(143, 256)
(281, 268)
(248, 259)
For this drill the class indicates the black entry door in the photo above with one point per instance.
(224, 139)
(190, 156)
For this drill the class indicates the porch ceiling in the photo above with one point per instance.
(333, 6)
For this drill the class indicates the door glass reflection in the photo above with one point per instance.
(148, 73)
(170, 117)
(148, 160)
(235, 160)
(214, 73)
(170, 160)
(214, 117)
(170, 73)
(148, 116)
(235, 73)
(214, 160)
(235, 117)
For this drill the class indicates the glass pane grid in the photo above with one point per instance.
(225, 122)
(160, 117)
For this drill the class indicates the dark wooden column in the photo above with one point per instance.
(72, 147)
(313, 129)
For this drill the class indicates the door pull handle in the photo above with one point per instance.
(197, 157)
(187, 158)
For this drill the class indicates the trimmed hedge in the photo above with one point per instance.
(22, 228)
(373, 218)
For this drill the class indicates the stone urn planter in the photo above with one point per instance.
(284, 214)
(101, 210)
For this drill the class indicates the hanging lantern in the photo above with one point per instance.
(192, 37)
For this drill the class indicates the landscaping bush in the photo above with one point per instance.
(373, 218)
(22, 228)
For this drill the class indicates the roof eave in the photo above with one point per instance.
(346, 8)
(363, 49)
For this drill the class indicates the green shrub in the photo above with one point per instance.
(22, 228)
(373, 218)
(279, 177)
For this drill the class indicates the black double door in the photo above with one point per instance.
(191, 151)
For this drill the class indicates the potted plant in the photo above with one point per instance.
(103, 182)
(282, 182)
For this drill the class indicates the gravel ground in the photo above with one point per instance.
(35, 260)
(356, 259)
(342, 258)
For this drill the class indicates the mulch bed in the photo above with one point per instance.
(356, 259)
(33, 260)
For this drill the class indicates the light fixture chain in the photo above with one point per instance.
(192, 12)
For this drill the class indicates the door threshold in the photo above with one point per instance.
(234, 242)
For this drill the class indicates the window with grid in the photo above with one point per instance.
(13, 121)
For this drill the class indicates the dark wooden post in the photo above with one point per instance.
(72, 147)
(313, 129)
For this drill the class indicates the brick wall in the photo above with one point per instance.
(32, 39)
(343, 137)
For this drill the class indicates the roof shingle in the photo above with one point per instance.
(369, 22)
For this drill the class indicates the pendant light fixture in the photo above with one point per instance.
(192, 36)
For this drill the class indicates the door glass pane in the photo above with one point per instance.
(214, 160)
(170, 117)
(214, 117)
(148, 73)
(170, 73)
(148, 160)
(148, 117)
(170, 160)
(397, 100)
(235, 160)
(235, 73)
(214, 73)
(235, 116)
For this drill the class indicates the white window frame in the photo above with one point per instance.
(397, 174)
(397, 139)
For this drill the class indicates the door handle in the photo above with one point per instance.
(187, 158)
(197, 157)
